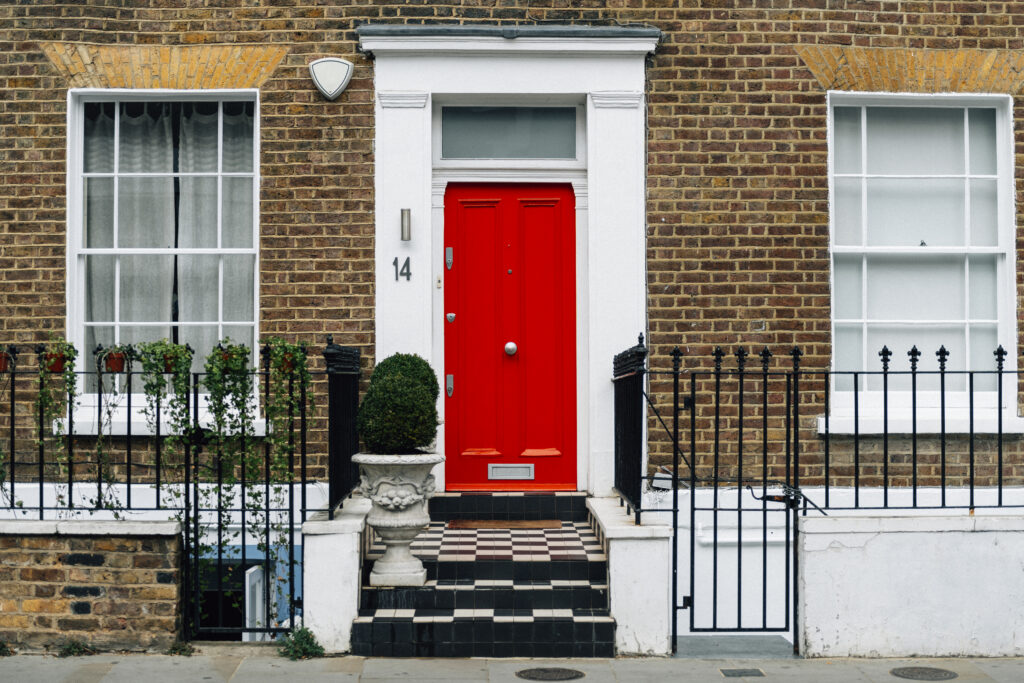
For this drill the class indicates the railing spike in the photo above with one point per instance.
(943, 355)
(766, 357)
(718, 354)
(885, 354)
(741, 358)
(914, 355)
(1000, 354)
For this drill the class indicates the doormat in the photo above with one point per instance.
(505, 524)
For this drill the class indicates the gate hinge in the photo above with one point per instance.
(687, 602)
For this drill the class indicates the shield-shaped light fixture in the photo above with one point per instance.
(331, 76)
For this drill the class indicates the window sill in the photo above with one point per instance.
(902, 424)
(85, 425)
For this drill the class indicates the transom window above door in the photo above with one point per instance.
(163, 240)
(505, 135)
(922, 239)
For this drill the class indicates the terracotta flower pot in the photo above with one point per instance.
(168, 363)
(5, 361)
(114, 362)
(54, 362)
(287, 363)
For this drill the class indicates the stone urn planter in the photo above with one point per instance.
(397, 422)
(399, 487)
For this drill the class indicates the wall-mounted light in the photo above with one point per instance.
(406, 225)
(331, 76)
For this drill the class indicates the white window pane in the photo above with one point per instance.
(145, 212)
(99, 213)
(909, 212)
(136, 334)
(98, 145)
(983, 287)
(238, 136)
(99, 287)
(145, 288)
(238, 287)
(915, 140)
(202, 339)
(984, 213)
(915, 288)
(848, 351)
(198, 287)
(237, 212)
(848, 287)
(508, 132)
(241, 334)
(146, 143)
(847, 139)
(928, 338)
(984, 341)
(197, 146)
(197, 213)
(94, 336)
(982, 132)
(848, 211)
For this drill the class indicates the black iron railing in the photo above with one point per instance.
(753, 441)
(241, 490)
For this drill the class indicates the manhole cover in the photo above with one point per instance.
(550, 674)
(923, 673)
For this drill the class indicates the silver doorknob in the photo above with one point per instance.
(511, 348)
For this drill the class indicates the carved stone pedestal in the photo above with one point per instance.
(398, 486)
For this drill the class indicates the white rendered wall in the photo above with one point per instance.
(609, 77)
(934, 586)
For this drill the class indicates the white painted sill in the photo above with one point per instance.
(956, 423)
(85, 423)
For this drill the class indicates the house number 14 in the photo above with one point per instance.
(404, 271)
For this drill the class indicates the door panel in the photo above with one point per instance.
(512, 280)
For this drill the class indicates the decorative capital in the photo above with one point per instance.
(402, 99)
(341, 359)
(609, 99)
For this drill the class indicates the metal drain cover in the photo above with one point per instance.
(549, 674)
(742, 673)
(923, 673)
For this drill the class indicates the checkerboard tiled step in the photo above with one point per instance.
(488, 594)
(495, 592)
(458, 635)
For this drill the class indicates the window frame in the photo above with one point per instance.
(75, 225)
(439, 102)
(957, 401)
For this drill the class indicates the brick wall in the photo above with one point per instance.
(737, 188)
(114, 592)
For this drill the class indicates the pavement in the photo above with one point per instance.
(245, 662)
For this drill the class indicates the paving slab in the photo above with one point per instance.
(425, 669)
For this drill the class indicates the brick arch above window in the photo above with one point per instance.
(907, 70)
(179, 67)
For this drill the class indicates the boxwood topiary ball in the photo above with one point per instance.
(397, 415)
(410, 366)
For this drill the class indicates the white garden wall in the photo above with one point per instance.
(874, 586)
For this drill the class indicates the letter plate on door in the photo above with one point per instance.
(517, 471)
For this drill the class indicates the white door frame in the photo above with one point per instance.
(604, 69)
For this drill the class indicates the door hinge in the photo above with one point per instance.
(449, 384)
(449, 257)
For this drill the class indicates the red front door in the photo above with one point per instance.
(510, 337)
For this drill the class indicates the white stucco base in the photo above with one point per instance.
(639, 578)
(332, 573)
(934, 586)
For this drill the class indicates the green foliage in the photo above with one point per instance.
(5, 649)
(410, 366)
(399, 411)
(181, 649)
(166, 363)
(73, 647)
(300, 644)
(56, 398)
(289, 382)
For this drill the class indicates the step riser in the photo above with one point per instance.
(505, 570)
(484, 638)
(532, 507)
(485, 598)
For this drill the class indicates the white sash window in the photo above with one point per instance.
(922, 249)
